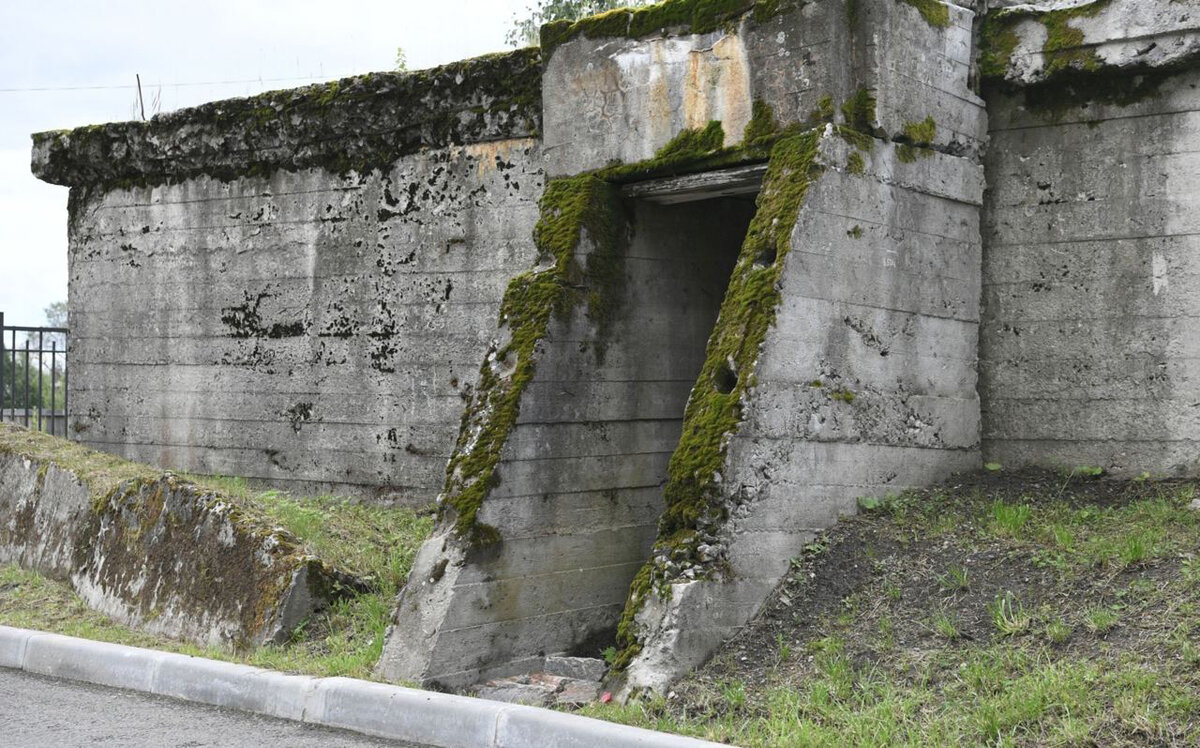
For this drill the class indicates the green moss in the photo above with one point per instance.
(921, 133)
(570, 207)
(692, 496)
(859, 111)
(843, 395)
(1064, 43)
(762, 126)
(998, 42)
(679, 16)
(765, 10)
(1063, 49)
(855, 164)
(823, 111)
(356, 124)
(690, 144)
(935, 13)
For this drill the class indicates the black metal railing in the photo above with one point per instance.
(33, 377)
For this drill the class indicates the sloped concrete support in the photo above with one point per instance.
(578, 489)
(864, 385)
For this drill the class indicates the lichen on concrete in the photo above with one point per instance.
(353, 125)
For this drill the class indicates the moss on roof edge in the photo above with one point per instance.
(354, 124)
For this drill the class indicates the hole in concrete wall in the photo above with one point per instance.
(726, 378)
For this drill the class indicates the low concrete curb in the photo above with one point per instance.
(374, 709)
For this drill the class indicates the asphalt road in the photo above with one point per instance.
(37, 711)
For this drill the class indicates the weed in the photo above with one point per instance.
(993, 467)
(1101, 620)
(734, 694)
(954, 580)
(1057, 631)
(1009, 616)
(945, 626)
(1190, 569)
(887, 634)
(609, 654)
(782, 647)
(1134, 550)
(1009, 519)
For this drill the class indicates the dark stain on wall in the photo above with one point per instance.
(245, 320)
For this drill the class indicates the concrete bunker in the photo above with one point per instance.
(894, 322)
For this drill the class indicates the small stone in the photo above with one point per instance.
(1195, 505)
(579, 668)
(578, 692)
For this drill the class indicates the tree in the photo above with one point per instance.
(56, 314)
(524, 31)
(16, 368)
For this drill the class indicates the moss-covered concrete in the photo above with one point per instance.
(673, 16)
(355, 124)
(693, 501)
(572, 208)
(1064, 47)
(153, 550)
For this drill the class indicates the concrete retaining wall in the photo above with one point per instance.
(149, 550)
(284, 328)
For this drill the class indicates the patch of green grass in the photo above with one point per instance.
(1001, 696)
(1101, 620)
(945, 626)
(1009, 519)
(1057, 631)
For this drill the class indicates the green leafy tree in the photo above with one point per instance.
(524, 30)
(16, 369)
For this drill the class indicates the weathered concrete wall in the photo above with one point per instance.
(622, 99)
(285, 329)
(314, 329)
(579, 484)
(150, 551)
(1090, 280)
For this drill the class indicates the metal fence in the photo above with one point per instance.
(33, 377)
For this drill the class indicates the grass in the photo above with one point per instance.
(1011, 610)
(1008, 615)
(374, 542)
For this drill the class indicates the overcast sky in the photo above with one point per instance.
(88, 52)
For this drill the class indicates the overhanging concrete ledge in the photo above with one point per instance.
(390, 712)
